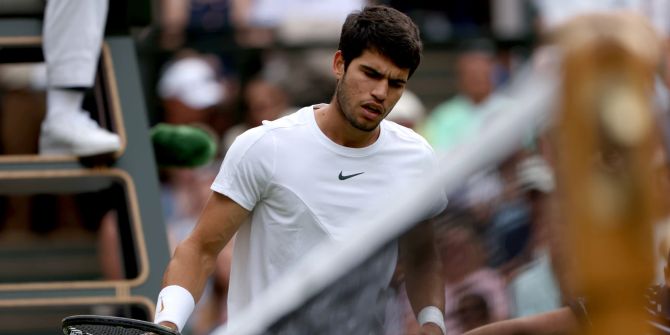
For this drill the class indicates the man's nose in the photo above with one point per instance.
(380, 90)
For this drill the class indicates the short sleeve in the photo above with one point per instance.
(247, 168)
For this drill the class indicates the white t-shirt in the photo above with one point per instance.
(301, 188)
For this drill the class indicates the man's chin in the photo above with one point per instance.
(366, 128)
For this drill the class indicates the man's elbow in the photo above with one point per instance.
(194, 251)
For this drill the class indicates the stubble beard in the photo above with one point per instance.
(343, 102)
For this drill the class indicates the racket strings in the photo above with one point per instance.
(104, 330)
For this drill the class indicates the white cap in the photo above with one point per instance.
(408, 109)
(193, 81)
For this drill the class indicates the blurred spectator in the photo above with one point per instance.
(488, 193)
(305, 74)
(183, 21)
(173, 20)
(191, 88)
(184, 195)
(554, 13)
(508, 227)
(260, 23)
(193, 91)
(409, 111)
(465, 271)
(264, 100)
(453, 121)
(508, 235)
(441, 20)
(473, 311)
(461, 117)
(534, 289)
(481, 194)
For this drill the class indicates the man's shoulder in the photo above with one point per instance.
(292, 120)
(295, 118)
(400, 133)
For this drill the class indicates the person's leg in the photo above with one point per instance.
(72, 34)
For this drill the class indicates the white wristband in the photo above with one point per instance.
(175, 304)
(434, 315)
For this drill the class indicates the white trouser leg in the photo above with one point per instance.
(72, 40)
(72, 35)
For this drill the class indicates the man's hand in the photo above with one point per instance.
(430, 329)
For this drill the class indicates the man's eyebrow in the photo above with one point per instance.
(370, 69)
(398, 80)
(375, 72)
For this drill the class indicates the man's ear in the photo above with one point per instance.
(338, 65)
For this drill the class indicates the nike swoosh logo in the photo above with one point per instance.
(341, 177)
(162, 306)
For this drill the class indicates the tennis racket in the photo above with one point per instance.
(111, 325)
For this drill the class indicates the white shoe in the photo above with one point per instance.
(76, 134)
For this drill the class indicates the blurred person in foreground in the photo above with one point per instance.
(290, 184)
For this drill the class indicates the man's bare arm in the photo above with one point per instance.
(195, 257)
(423, 279)
(559, 322)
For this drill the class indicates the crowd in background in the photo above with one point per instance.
(230, 64)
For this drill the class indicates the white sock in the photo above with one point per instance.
(62, 101)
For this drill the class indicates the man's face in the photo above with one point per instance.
(369, 88)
